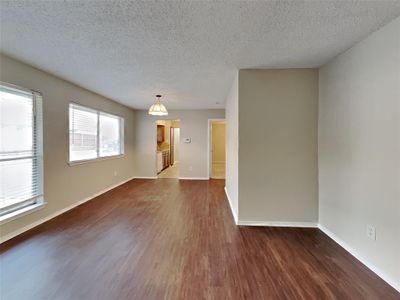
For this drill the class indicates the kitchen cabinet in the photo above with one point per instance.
(165, 155)
(162, 160)
(160, 133)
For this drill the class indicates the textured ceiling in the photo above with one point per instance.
(188, 51)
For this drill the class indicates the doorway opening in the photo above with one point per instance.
(217, 160)
(168, 140)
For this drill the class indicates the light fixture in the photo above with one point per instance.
(158, 109)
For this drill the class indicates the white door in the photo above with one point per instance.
(176, 144)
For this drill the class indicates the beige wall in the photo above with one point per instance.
(65, 185)
(176, 123)
(359, 149)
(232, 146)
(278, 145)
(218, 142)
(193, 157)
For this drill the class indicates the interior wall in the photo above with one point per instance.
(232, 146)
(66, 185)
(278, 174)
(193, 156)
(218, 142)
(359, 149)
(177, 141)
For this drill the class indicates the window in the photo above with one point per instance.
(110, 141)
(94, 134)
(21, 159)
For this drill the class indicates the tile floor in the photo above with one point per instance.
(170, 172)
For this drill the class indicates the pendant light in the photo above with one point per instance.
(158, 109)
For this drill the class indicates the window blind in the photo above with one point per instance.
(94, 134)
(20, 148)
(83, 124)
(110, 135)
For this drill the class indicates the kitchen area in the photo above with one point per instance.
(168, 139)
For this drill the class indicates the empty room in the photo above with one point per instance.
(199, 149)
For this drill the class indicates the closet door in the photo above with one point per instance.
(171, 145)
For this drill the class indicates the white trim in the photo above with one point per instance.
(21, 212)
(180, 178)
(20, 88)
(193, 178)
(278, 224)
(85, 161)
(352, 251)
(57, 213)
(235, 217)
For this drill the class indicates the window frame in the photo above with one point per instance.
(32, 204)
(98, 157)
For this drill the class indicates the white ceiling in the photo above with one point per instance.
(188, 51)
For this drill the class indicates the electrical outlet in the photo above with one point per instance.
(190, 168)
(371, 232)
(115, 173)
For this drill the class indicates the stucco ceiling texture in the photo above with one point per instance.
(188, 51)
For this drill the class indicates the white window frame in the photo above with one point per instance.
(98, 157)
(37, 202)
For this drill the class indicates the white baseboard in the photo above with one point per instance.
(59, 212)
(181, 178)
(352, 251)
(235, 217)
(193, 178)
(278, 224)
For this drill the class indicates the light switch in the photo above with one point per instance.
(371, 232)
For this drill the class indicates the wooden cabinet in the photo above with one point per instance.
(162, 160)
(160, 133)
(165, 155)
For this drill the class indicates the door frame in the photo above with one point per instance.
(209, 144)
(161, 118)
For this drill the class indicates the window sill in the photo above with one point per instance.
(85, 161)
(21, 212)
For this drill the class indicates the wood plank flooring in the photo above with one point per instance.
(170, 239)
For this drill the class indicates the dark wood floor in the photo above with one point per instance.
(165, 239)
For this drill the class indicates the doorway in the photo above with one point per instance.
(168, 140)
(217, 156)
